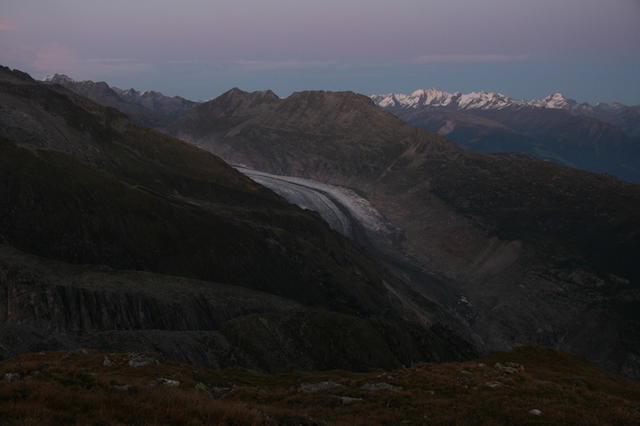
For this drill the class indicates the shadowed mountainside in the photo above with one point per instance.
(540, 253)
(82, 185)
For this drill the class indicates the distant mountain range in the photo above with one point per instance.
(601, 138)
(623, 116)
(149, 108)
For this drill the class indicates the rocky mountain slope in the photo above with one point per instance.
(149, 108)
(601, 138)
(229, 274)
(539, 253)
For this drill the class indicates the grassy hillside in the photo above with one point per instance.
(88, 387)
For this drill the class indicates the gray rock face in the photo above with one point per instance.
(493, 385)
(380, 386)
(47, 305)
(11, 377)
(347, 400)
(508, 367)
(317, 387)
(122, 388)
(142, 361)
(85, 299)
(170, 383)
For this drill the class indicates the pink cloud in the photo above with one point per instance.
(112, 66)
(5, 26)
(55, 57)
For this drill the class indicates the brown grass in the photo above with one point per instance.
(75, 388)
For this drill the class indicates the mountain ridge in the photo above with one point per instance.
(521, 240)
(95, 198)
(482, 100)
(173, 107)
(602, 138)
(147, 107)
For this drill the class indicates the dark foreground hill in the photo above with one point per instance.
(527, 386)
(228, 273)
(539, 253)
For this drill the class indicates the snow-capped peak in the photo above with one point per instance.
(486, 100)
(58, 78)
(440, 98)
(435, 97)
(481, 100)
(553, 101)
(389, 100)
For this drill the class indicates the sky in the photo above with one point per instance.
(587, 49)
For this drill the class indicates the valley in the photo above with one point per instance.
(319, 213)
(497, 240)
(104, 222)
(504, 231)
(354, 217)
